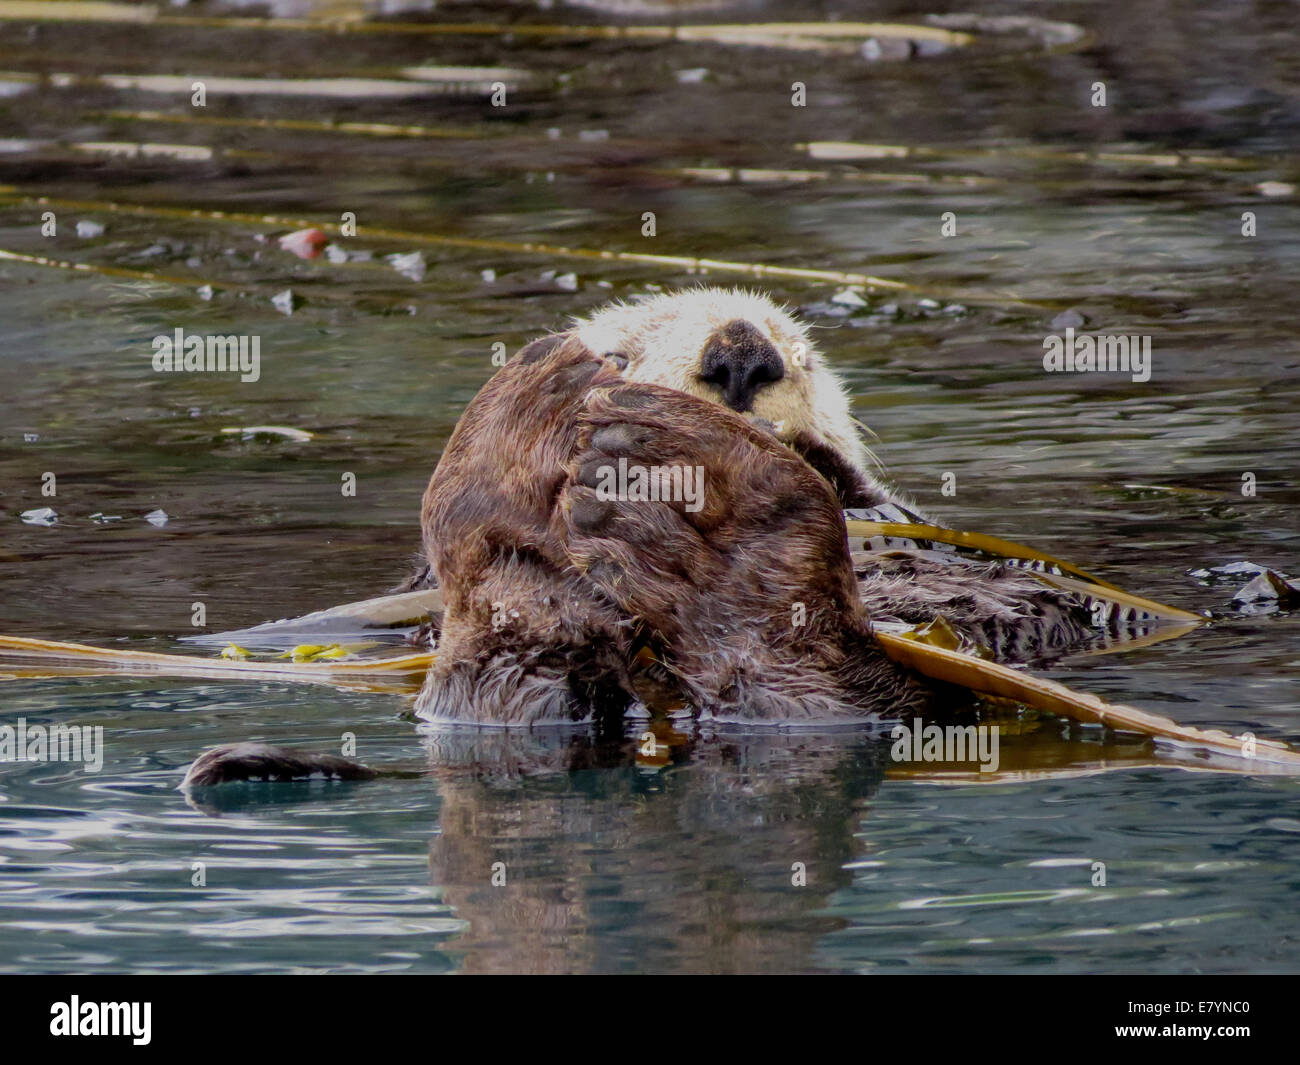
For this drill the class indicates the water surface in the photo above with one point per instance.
(613, 864)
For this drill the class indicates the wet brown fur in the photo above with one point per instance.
(551, 592)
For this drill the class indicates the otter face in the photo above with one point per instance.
(737, 349)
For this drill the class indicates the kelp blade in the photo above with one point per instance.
(990, 678)
(20, 648)
(367, 617)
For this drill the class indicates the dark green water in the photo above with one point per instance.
(611, 866)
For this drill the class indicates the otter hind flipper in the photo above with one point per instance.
(992, 605)
(266, 762)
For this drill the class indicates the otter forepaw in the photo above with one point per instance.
(728, 550)
(721, 474)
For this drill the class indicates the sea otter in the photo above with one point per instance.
(568, 602)
(739, 602)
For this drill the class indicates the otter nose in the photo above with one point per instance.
(740, 361)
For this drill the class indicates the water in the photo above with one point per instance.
(613, 865)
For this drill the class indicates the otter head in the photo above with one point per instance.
(740, 350)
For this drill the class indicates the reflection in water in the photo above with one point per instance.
(696, 860)
(722, 852)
